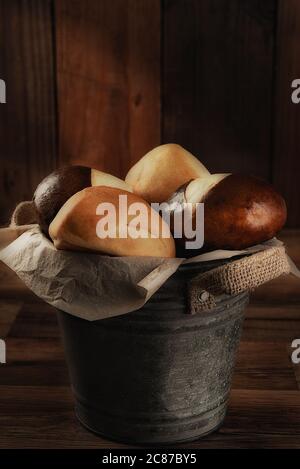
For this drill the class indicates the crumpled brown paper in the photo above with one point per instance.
(92, 286)
(86, 285)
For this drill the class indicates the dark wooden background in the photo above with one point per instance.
(100, 82)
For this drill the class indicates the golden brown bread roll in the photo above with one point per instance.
(77, 223)
(239, 211)
(59, 186)
(161, 171)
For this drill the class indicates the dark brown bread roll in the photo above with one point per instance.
(239, 210)
(59, 186)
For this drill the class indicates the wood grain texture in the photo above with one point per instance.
(108, 62)
(217, 81)
(286, 167)
(9, 310)
(281, 291)
(11, 286)
(266, 330)
(290, 238)
(273, 370)
(27, 120)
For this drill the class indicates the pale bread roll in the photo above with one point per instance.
(158, 174)
(75, 226)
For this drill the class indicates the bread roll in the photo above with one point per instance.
(59, 186)
(77, 225)
(239, 211)
(161, 171)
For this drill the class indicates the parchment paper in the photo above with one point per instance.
(93, 286)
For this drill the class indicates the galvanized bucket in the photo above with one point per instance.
(159, 374)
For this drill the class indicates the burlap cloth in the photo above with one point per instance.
(237, 276)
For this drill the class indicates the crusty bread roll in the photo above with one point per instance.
(56, 188)
(239, 211)
(77, 223)
(161, 171)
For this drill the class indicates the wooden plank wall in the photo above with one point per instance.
(110, 79)
(218, 66)
(286, 167)
(108, 63)
(28, 119)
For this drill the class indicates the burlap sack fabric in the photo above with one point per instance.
(237, 276)
(24, 214)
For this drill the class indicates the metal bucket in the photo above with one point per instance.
(157, 375)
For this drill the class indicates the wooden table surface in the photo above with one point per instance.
(36, 405)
